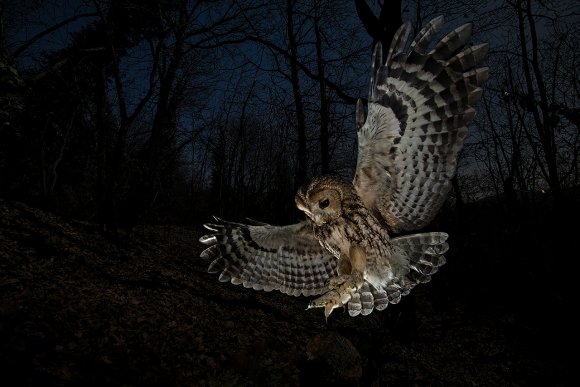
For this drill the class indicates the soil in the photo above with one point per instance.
(140, 309)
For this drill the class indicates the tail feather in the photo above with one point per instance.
(424, 253)
(366, 299)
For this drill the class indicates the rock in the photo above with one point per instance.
(332, 360)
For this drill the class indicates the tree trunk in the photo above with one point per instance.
(300, 117)
(382, 28)
(324, 117)
(103, 211)
(541, 115)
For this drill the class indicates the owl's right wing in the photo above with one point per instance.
(420, 102)
(265, 257)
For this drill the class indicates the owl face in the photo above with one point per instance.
(321, 199)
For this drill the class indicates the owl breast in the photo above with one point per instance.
(333, 238)
(362, 229)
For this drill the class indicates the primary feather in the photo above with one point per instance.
(420, 102)
(266, 257)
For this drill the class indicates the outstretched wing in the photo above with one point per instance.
(265, 257)
(419, 105)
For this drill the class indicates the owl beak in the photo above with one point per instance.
(302, 207)
(308, 213)
(316, 218)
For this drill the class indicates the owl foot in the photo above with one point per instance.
(341, 291)
(329, 301)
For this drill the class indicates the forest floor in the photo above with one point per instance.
(77, 308)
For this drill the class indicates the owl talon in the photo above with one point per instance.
(328, 310)
(330, 301)
(330, 298)
(341, 290)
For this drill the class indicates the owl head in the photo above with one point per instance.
(323, 197)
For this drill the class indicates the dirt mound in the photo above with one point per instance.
(77, 308)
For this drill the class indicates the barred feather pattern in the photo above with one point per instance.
(424, 252)
(266, 257)
(420, 102)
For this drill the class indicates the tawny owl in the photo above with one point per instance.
(419, 104)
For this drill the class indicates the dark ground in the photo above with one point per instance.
(79, 309)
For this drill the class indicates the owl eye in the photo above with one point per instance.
(323, 203)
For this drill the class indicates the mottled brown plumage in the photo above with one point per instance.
(420, 102)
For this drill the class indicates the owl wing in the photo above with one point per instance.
(419, 105)
(266, 257)
(424, 252)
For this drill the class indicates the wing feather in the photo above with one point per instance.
(424, 252)
(265, 257)
(420, 103)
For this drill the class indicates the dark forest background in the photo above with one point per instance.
(117, 114)
(124, 112)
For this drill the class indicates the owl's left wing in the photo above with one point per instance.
(420, 102)
(266, 257)
(424, 252)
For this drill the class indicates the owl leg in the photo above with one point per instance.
(345, 284)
